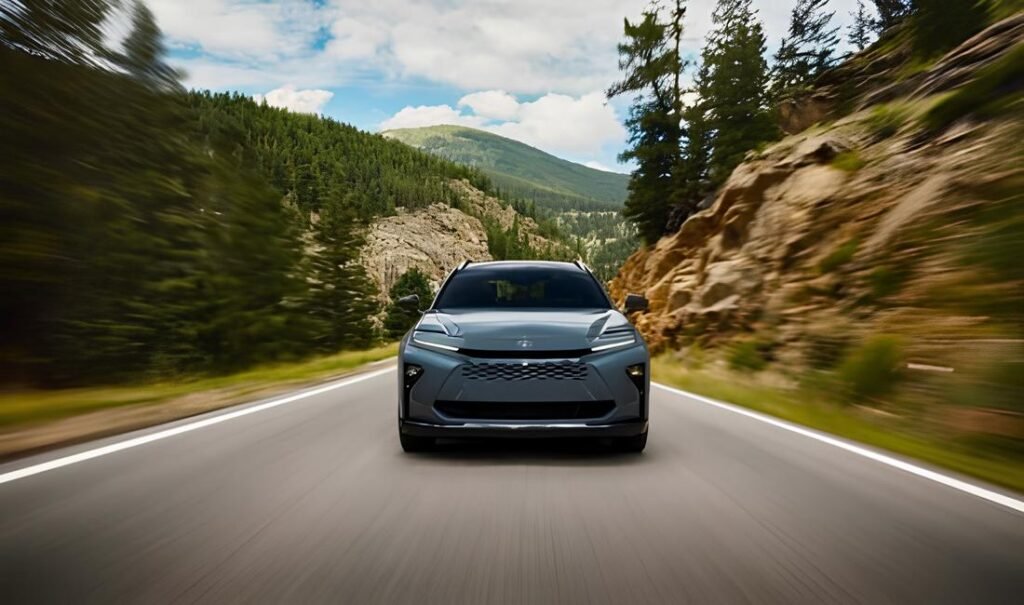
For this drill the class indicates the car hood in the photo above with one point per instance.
(533, 330)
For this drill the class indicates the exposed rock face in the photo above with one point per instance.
(437, 238)
(434, 240)
(770, 249)
(841, 225)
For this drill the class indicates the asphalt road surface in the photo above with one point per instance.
(313, 501)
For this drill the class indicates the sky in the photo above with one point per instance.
(530, 70)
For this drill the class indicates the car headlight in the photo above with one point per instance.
(613, 340)
(433, 340)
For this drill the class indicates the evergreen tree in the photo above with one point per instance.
(808, 49)
(891, 12)
(859, 33)
(342, 297)
(939, 25)
(398, 319)
(732, 85)
(651, 65)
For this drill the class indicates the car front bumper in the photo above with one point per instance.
(452, 398)
(520, 430)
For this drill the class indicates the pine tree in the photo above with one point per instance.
(398, 320)
(939, 25)
(859, 33)
(342, 297)
(732, 85)
(891, 12)
(808, 49)
(651, 64)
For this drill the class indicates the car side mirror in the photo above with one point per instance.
(635, 302)
(410, 303)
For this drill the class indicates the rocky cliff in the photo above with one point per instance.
(437, 238)
(903, 218)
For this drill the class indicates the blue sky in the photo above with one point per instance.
(532, 70)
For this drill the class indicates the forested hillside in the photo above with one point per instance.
(150, 232)
(521, 171)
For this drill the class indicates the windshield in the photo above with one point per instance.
(522, 288)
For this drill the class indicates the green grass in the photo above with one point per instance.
(886, 120)
(839, 257)
(849, 161)
(814, 408)
(36, 406)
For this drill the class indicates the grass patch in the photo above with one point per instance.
(839, 257)
(36, 406)
(816, 409)
(849, 161)
(992, 92)
(885, 121)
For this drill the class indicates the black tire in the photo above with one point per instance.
(415, 443)
(633, 445)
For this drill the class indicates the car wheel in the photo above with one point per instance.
(634, 444)
(414, 443)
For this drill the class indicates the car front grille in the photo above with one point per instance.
(548, 370)
(562, 410)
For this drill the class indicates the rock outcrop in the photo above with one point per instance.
(848, 223)
(434, 240)
(437, 238)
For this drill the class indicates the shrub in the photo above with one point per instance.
(826, 348)
(848, 161)
(839, 257)
(886, 120)
(398, 320)
(749, 355)
(872, 369)
(886, 280)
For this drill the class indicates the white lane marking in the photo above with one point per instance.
(957, 484)
(42, 467)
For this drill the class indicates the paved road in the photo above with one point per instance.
(312, 501)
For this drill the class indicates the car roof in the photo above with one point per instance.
(523, 264)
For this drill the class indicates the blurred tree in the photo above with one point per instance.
(859, 33)
(891, 12)
(651, 66)
(939, 25)
(808, 49)
(732, 88)
(398, 319)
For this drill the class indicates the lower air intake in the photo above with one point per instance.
(562, 410)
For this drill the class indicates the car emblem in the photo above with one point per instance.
(525, 344)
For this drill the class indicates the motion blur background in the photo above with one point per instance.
(828, 218)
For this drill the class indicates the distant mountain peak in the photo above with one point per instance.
(521, 170)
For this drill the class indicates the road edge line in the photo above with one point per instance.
(957, 484)
(187, 427)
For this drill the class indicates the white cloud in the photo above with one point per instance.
(491, 104)
(573, 127)
(299, 101)
(430, 115)
(597, 166)
(522, 46)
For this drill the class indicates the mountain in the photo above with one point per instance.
(521, 171)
